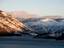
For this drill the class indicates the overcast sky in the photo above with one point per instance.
(40, 7)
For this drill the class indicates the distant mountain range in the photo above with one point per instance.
(19, 22)
(25, 15)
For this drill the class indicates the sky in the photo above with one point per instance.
(39, 7)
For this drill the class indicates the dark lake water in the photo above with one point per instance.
(21, 42)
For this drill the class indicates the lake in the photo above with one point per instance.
(22, 42)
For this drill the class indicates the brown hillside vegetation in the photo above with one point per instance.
(9, 24)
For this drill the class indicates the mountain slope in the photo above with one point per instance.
(9, 24)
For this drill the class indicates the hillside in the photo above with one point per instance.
(9, 24)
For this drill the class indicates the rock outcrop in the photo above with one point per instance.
(9, 24)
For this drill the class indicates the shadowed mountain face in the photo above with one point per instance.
(45, 25)
(50, 27)
(9, 24)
